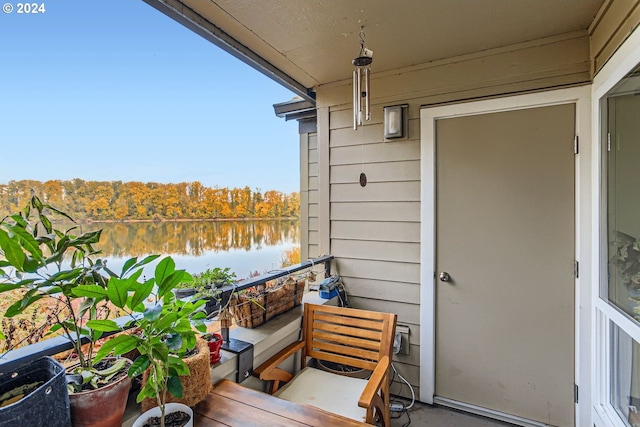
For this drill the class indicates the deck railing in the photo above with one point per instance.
(17, 357)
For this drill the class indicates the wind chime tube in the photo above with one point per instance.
(359, 97)
(355, 101)
(367, 99)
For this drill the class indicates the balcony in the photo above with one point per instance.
(265, 341)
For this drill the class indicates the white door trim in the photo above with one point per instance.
(428, 116)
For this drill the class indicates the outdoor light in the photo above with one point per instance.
(361, 98)
(395, 119)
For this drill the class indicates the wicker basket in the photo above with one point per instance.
(260, 304)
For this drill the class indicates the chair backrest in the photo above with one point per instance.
(348, 336)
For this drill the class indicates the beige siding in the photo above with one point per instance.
(374, 231)
(614, 23)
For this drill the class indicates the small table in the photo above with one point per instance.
(230, 404)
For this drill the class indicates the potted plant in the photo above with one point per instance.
(184, 290)
(41, 262)
(207, 286)
(218, 277)
(165, 331)
(214, 341)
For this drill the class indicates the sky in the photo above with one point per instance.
(111, 90)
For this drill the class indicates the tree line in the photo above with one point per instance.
(122, 201)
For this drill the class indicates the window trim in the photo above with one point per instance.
(621, 63)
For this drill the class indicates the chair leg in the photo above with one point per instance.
(386, 402)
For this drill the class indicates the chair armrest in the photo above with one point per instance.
(375, 382)
(263, 370)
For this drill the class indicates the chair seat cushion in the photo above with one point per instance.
(333, 393)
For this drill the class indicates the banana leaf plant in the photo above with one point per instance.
(40, 261)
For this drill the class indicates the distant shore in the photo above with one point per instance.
(127, 221)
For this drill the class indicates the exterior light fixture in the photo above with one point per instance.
(395, 121)
(361, 97)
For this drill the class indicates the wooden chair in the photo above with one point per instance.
(358, 338)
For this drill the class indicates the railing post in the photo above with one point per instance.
(327, 268)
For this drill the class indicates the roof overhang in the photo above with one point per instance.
(304, 44)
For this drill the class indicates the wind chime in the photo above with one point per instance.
(361, 96)
(361, 73)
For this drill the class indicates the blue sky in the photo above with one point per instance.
(115, 90)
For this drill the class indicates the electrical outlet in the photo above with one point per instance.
(403, 330)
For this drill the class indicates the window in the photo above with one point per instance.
(622, 157)
(619, 306)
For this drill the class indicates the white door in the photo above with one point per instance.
(504, 262)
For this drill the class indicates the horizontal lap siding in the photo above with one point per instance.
(374, 231)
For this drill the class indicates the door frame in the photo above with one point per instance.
(581, 97)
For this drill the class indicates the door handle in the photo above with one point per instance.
(444, 277)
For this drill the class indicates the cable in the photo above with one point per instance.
(413, 394)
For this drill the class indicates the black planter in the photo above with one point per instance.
(184, 292)
(212, 306)
(47, 405)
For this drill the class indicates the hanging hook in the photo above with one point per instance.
(361, 41)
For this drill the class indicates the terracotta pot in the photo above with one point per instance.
(169, 407)
(215, 344)
(103, 407)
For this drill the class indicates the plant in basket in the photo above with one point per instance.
(40, 262)
(256, 305)
(165, 334)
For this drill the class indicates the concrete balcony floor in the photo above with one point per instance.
(423, 415)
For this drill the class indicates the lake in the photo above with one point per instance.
(244, 246)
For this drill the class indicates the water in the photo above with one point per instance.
(244, 246)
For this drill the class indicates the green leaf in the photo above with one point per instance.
(103, 325)
(59, 212)
(128, 264)
(19, 306)
(191, 340)
(178, 366)
(117, 291)
(167, 321)
(90, 291)
(12, 251)
(174, 386)
(5, 287)
(164, 269)
(132, 263)
(27, 241)
(141, 294)
(46, 223)
(153, 313)
(200, 326)
(87, 238)
(55, 327)
(107, 347)
(174, 341)
(140, 365)
(171, 281)
(183, 326)
(127, 344)
(65, 275)
(31, 265)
